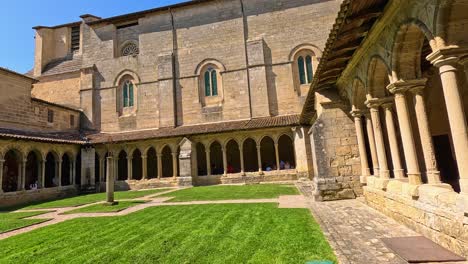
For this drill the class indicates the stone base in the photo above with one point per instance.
(24, 197)
(435, 212)
(184, 181)
(144, 184)
(255, 178)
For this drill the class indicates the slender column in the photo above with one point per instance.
(129, 168)
(159, 159)
(224, 161)
(102, 173)
(23, 176)
(433, 174)
(59, 163)
(43, 167)
(371, 138)
(145, 167)
(259, 157)
(110, 178)
(208, 162)
(373, 104)
(456, 114)
(1, 175)
(174, 164)
(365, 170)
(398, 170)
(73, 173)
(409, 147)
(72, 169)
(277, 157)
(241, 150)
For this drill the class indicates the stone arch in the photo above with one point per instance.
(233, 156)
(358, 97)
(122, 166)
(306, 46)
(412, 45)
(137, 165)
(152, 162)
(378, 78)
(267, 150)
(216, 158)
(201, 159)
(210, 82)
(167, 164)
(287, 155)
(451, 23)
(66, 169)
(205, 62)
(120, 82)
(12, 170)
(51, 170)
(249, 151)
(33, 168)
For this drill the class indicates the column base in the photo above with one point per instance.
(381, 184)
(184, 181)
(433, 177)
(384, 174)
(414, 178)
(399, 174)
(363, 179)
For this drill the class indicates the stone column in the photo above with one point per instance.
(23, 175)
(374, 105)
(129, 167)
(59, 163)
(259, 158)
(43, 167)
(277, 157)
(433, 174)
(224, 160)
(144, 159)
(72, 169)
(110, 178)
(102, 173)
(174, 164)
(372, 147)
(2, 161)
(159, 159)
(208, 162)
(365, 170)
(398, 170)
(409, 147)
(455, 109)
(241, 150)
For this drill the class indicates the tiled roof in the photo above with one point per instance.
(56, 105)
(62, 65)
(57, 137)
(17, 73)
(266, 122)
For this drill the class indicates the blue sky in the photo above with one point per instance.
(19, 16)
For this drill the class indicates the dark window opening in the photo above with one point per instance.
(72, 120)
(50, 116)
(75, 38)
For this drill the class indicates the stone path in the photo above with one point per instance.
(355, 230)
(56, 214)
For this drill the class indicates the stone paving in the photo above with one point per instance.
(355, 230)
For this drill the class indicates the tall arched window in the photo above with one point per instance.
(127, 94)
(304, 64)
(211, 82)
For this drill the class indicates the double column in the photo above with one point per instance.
(365, 170)
(447, 61)
(374, 106)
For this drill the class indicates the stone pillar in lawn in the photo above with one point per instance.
(110, 177)
(185, 162)
(335, 152)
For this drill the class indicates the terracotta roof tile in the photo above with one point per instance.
(56, 137)
(63, 65)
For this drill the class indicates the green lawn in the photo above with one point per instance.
(92, 198)
(12, 221)
(232, 192)
(230, 233)
(105, 208)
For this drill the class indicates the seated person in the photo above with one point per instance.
(287, 166)
(282, 165)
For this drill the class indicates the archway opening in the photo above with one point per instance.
(286, 153)
(216, 158)
(167, 165)
(51, 171)
(66, 165)
(11, 171)
(78, 170)
(32, 171)
(122, 165)
(249, 150)
(97, 169)
(233, 157)
(152, 163)
(267, 149)
(137, 165)
(201, 160)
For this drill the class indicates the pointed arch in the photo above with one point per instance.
(378, 77)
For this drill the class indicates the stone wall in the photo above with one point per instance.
(437, 213)
(63, 89)
(33, 196)
(335, 152)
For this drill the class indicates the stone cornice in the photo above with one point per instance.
(402, 86)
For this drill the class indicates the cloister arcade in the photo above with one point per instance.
(214, 155)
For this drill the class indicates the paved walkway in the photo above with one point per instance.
(56, 214)
(355, 230)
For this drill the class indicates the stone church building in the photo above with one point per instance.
(355, 98)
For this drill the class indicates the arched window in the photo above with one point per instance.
(211, 82)
(130, 49)
(127, 94)
(304, 64)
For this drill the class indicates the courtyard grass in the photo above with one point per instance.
(12, 221)
(105, 208)
(228, 233)
(92, 198)
(232, 192)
